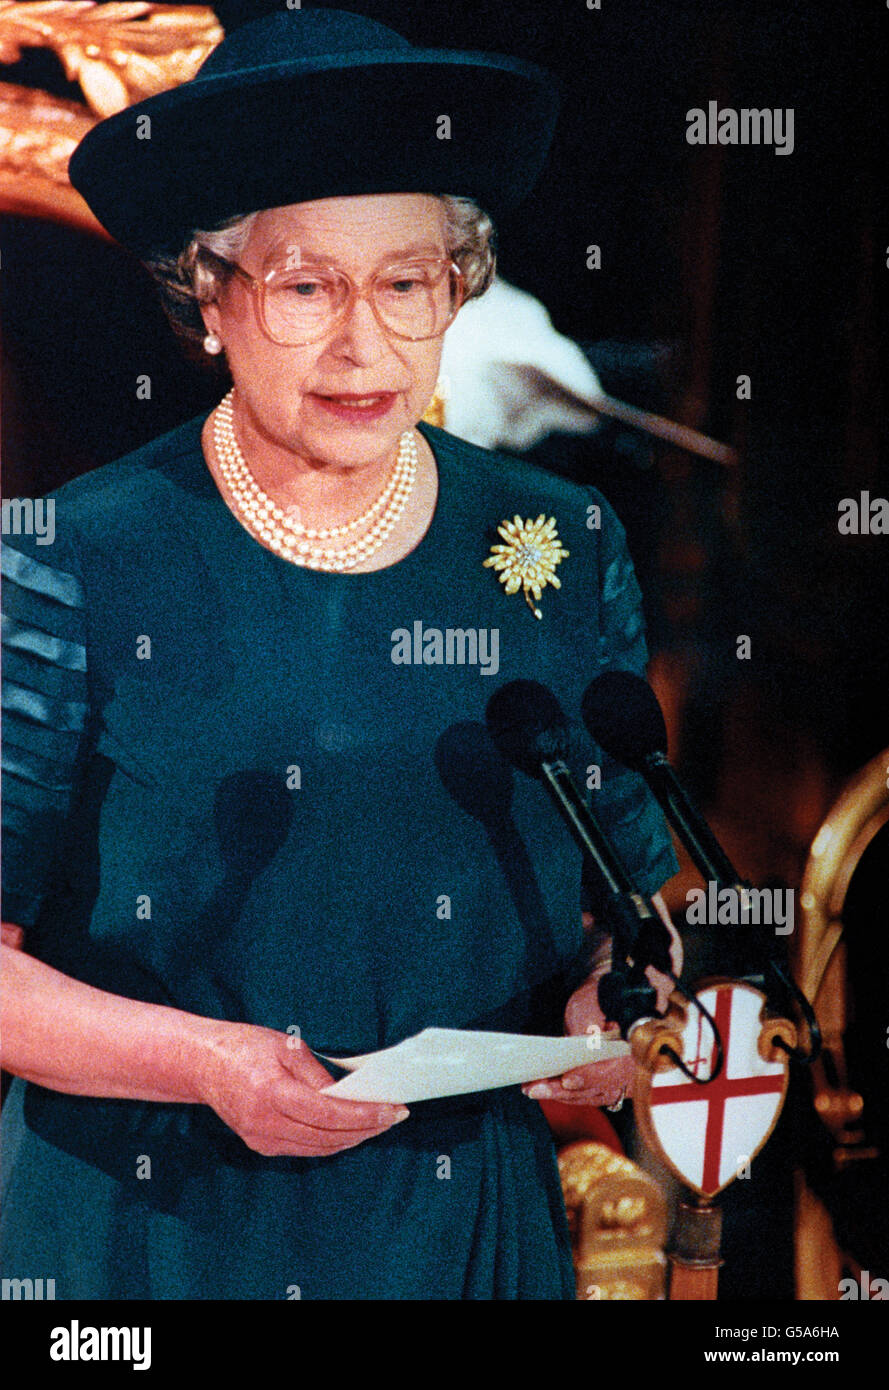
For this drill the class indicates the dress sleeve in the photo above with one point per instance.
(626, 808)
(45, 708)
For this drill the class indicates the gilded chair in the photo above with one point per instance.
(842, 964)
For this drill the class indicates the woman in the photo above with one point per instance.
(242, 826)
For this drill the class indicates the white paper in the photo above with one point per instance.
(454, 1061)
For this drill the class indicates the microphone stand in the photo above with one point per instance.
(715, 867)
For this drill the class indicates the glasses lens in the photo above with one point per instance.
(417, 300)
(301, 305)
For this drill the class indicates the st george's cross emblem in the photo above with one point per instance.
(707, 1134)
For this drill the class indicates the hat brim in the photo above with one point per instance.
(293, 132)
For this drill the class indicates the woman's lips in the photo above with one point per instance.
(351, 406)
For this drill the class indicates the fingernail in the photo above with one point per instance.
(573, 1083)
(401, 1114)
(539, 1092)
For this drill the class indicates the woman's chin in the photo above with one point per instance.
(346, 440)
(336, 450)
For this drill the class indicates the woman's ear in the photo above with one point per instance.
(212, 317)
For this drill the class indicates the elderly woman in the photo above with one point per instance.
(252, 810)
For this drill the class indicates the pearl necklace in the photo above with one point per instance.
(289, 538)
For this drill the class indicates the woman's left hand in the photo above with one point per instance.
(596, 1083)
(605, 1082)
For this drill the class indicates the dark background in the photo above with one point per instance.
(716, 262)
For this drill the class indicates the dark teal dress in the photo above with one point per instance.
(223, 794)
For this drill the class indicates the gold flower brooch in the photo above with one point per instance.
(528, 559)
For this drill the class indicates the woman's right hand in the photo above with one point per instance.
(69, 1036)
(268, 1088)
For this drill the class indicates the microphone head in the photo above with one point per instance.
(623, 716)
(528, 725)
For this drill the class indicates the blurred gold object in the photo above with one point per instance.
(855, 818)
(617, 1216)
(860, 811)
(38, 134)
(434, 414)
(119, 54)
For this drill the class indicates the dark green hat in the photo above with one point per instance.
(306, 104)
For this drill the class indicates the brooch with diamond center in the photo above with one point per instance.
(528, 559)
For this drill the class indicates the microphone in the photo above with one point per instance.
(528, 725)
(622, 714)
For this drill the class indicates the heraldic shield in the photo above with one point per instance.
(707, 1134)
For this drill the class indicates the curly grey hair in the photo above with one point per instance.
(187, 281)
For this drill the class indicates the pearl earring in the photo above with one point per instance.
(212, 344)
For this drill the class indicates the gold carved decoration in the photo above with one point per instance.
(118, 53)
(857, 815)
(37, 136)
(617, 1217)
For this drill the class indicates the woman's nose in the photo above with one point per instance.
(360, 333)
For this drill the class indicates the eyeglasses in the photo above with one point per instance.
(415, 299)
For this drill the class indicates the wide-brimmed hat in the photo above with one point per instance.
(307, 104)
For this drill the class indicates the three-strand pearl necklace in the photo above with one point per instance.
(289, 538)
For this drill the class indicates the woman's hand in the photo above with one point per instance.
(267, 1087)
(605, 1082)
(71, 1037)
(595, 1083)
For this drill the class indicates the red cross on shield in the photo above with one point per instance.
(706, 1134)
